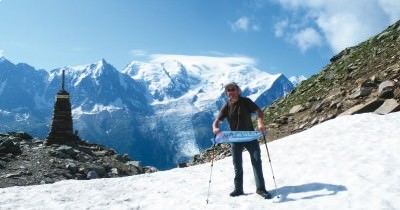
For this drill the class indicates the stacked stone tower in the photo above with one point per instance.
(61, 127)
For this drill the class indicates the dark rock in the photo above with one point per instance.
(21, 135)
(385, 89)
(100, 171)
(132, 169)
(319, 107)
(133, 163)
(312, 99)
(101, 153)
(15, 175)
(68, 175)
(80, 176)
(72, 167)
(386, 93)
(92, 175)
(123, 158)
(2, 164)
(8, 146)
(282, 120)
(340, 55)
(182, 165)
(361, 92)
(150, 169)
(67, 150)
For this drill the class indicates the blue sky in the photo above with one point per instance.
(294, 37)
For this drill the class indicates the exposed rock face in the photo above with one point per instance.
(360, 79)
(26, 161)
(390, 105)
(368, 106)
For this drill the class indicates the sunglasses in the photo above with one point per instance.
(231, 90)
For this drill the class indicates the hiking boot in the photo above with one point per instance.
(265, 194)
(236, 193)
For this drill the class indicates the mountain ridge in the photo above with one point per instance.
(130, 110)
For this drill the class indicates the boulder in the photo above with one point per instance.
(319, 107)
(361, 92)
(8, 146)
(114, 171)
(296, 109)
(123, 158)
(385, 89)
(133, 163)
(100, 171)
(369, 106)
(92, 175)
(72, 167)
(21, 135)
(67, 150)
(2, 164)
(390, 105)
(150, 169)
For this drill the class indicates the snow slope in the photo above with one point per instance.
(350, 162)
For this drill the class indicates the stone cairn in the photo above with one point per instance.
(61, 128)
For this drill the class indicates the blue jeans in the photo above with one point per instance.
(255, 155)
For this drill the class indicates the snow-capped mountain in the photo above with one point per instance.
(159, 112)
(187, 91)
(297, 79)
(22, 102)
(106, 104)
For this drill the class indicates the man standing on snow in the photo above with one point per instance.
(238, 112)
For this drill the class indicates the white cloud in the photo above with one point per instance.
(244, 24)
(138, 53)
(341, 23)
(1, 51)
(392, 8)
(307, 38)
(204, 59)
(280, 27)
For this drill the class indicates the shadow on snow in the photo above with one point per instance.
(310, 191)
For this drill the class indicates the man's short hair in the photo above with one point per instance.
(235, 85)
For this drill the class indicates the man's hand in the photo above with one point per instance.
(260, 123)
(216, 131)
(215, 127)
(261, 128)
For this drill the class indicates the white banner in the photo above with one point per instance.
(236, 136)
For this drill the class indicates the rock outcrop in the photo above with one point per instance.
(364, 78)
(27, 161)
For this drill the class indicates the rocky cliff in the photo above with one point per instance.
(363, 78)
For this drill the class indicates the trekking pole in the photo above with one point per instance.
(270, 164)
(212, 163)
